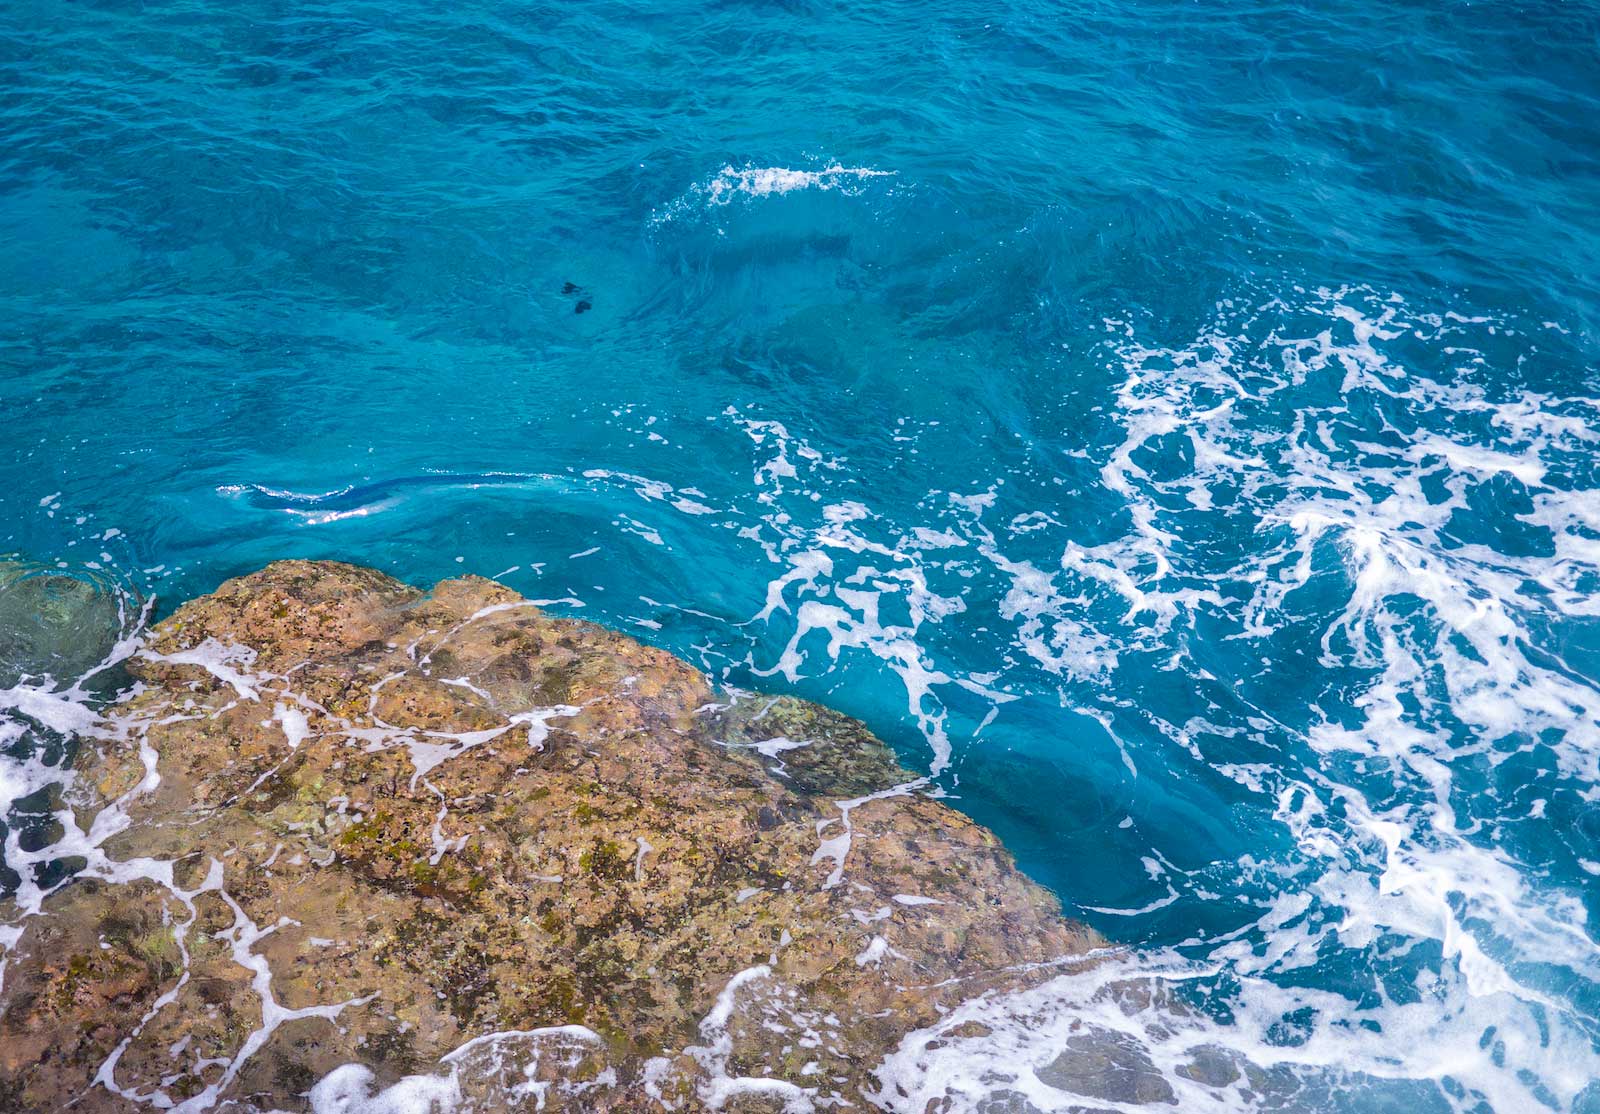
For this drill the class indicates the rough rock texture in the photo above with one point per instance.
(388, 824)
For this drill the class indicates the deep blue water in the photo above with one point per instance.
(1174, 426)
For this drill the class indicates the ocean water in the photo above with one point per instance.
(1175, 427)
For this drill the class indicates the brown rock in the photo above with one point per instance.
(525, 858)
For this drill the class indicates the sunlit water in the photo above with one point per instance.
(1175, 429)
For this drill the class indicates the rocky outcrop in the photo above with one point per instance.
(350, 844)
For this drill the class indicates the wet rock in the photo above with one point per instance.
(1213, 1067)
(446, 843)
(1007, 1102)
(57, 636)
(1101, 1064)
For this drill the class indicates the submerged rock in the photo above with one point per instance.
(55, 625)
(377, 849)
(60, 636)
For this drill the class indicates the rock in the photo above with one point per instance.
(444, 848)
(1107, 1065)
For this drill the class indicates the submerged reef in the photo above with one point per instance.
(347, 845)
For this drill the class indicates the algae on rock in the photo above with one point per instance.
(447, 836)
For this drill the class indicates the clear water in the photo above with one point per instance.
(1176, 428)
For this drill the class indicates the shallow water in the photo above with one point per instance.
(1174, 429)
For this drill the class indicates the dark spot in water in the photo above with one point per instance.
(583, 307)
(570, 288)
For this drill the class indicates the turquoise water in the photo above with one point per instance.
(1174, 428)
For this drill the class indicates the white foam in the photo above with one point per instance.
(349, 1090)
(764, 181)
(748, 182)
(296, 728)
(1355, 474)
(715, 1054)
(1004, 1044)
(502, 1068)
(221, 660)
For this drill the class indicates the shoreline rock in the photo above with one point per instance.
(345, 835)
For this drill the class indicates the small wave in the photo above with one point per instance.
(361, 500)
(764, 181)
(732, 183)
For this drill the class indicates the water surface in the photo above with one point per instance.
(1173, 427)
